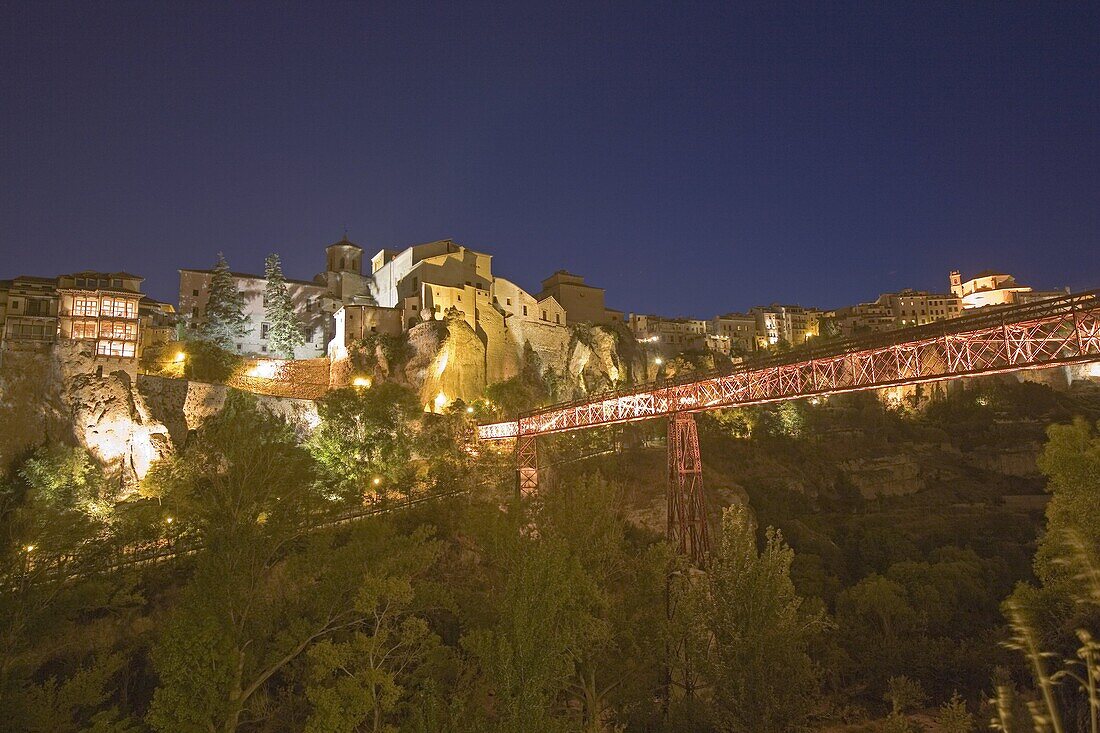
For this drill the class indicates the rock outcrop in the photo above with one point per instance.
(126, 421)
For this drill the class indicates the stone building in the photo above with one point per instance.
(863, 318)
(670, 336)
(28, 312)
(732, 333)
(993, 288)
(792, 324)
(896, 310)
(103, 308)
(582, 303)
(315, 301)
(917, 307)
(159, 323)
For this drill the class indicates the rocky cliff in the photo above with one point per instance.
(447, 360)
(126, 421)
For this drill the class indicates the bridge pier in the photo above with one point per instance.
(687, 512)
(527, 465)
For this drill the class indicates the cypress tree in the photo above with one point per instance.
(224, 320)
(283, 331)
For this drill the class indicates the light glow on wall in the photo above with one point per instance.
(265, 369)
(360, 382)
(441, 365)
(440, 401)
(180, 356)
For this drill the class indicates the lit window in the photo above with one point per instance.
(84, 330)
(85, 307)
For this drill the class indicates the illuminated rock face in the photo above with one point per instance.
(448, 363)
(126, 421)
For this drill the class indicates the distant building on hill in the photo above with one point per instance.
(582, 303)
(669, 336)
(792, 324)
(993, 288)
(896, 310)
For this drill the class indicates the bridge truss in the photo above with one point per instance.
(1038, 335)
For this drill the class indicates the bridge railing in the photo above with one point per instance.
(868, 347)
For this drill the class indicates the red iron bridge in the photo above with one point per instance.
(1039, 335)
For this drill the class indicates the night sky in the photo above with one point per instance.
(691, 158)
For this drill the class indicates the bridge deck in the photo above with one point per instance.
(1063, 330)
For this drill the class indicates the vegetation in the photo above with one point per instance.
(297, 593)
(223, 321)
(284, 332)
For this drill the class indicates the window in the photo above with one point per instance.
(120, 330)
(78, 282)
(557, 318)
(84, 330)
(27, 330)
(37, 307)
(116, 348)
(15, 305)
(116, 283)
(509, 300)
(264, 329)
(544, 315)
(85, 307)
(414, 282)
(119, 308)
(195, 292)
(524, 310)
(238, 348)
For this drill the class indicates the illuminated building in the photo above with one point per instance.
(582, 303)
(992, 288)
(101, 307)
(792, 324)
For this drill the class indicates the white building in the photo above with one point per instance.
(992, 288)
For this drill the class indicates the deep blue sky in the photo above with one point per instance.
(691, 158)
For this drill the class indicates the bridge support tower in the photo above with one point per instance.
(687, 513)
(527, 465)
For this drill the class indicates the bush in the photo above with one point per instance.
(208, 362)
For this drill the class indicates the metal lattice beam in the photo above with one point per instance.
(1043, 334)
(687, 515)
(527, 465)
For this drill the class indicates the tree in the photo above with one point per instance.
(284, 333)
(539, 621)
(267, 584)
(224, 320)
(364, 435)
(1051, 621)
(904, 694)
(756, 631)
(954, 717)
(366, 681)
(58, 672)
